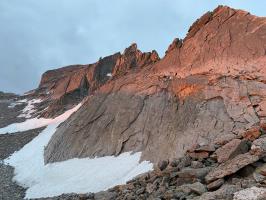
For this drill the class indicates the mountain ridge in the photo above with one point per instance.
(198, 115)
(191, 78)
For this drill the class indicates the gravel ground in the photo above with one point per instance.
(8, 189)
(9, 143)
(9, 115)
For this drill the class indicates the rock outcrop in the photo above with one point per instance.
(208, 89)
(66, 86)
(241, 177)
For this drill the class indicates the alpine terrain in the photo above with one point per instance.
(190, 125)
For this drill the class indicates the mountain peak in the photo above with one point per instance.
(222, 12)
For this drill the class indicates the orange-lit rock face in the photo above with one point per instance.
(189, 86)
(71, 84)
(208, 86)
(225, 41)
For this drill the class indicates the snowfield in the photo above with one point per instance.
(71, 176)
(37, 122)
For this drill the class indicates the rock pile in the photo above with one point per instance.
(221, 170)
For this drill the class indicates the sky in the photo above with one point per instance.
(36, 36)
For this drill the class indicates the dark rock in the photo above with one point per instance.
(259, 147)
(199, 173)
(260, 174)
(196, 164)
(105, 195)
(197, 188)
(163, 164)
(225, 192)
(215, 184)
(246, 171)
(150, 188)
(184, 162)
(174, 163)
(140, 191)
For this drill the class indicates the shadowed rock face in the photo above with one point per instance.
(68, 85)
(208, 85)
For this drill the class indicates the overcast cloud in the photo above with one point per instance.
(37, 35)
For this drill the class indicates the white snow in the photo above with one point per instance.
(29, 109)
(252, 193)
(12, 105)
(36, 122)
(74, 175)
(109, 74)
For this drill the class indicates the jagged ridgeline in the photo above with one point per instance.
(209, 85)
(198, 114)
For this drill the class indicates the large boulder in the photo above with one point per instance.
(231, 166)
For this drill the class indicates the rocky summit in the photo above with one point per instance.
(209, 86)
(198, 114)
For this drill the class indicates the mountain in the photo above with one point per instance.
(209, 85)
(198, 114)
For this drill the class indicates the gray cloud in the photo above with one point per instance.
(39, 35)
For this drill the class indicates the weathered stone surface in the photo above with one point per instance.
(252, 134)
(205, 148)
(163, 164)
(146, 109)
(262, 170)
(197, 188)
(199, 155)
(163, 107)
(215, 184)
(231, 149)
(199, 173)
(223, 139)
(231, 166)
(225, 192)
(259, 147)
(253, 193)
(263, 128)
(196, 164)
(260, 173)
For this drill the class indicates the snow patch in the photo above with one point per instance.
(109, 75)
(29, 109)
(19, 102)
(252, 193)
(74, 175)
(36, 122)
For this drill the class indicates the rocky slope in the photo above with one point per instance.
(229, 169)
(209, 86)
(199, 113)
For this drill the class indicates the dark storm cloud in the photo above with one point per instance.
(39, 35)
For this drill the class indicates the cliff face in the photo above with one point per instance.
(66, 86)
(208, 87)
